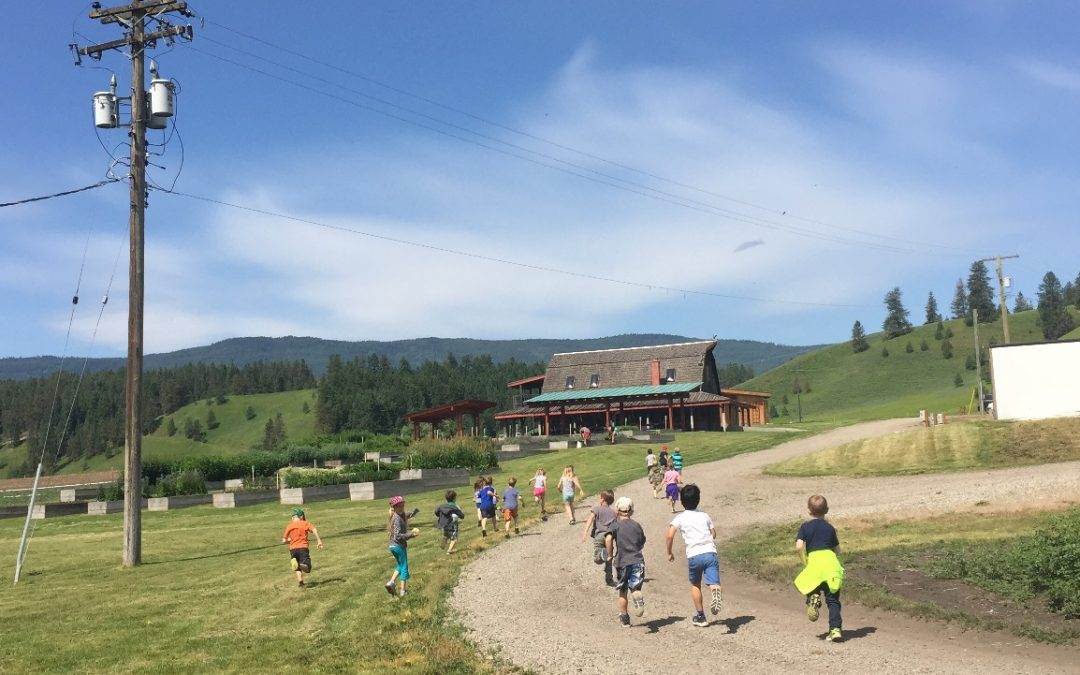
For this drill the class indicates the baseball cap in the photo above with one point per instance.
(298, 512)
(624, 505)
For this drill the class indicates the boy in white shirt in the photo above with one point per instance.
(699, 535)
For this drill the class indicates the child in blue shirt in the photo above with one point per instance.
(487, 505)
(818, 547)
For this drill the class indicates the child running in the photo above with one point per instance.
(449, 515)
(477, 486)
(671, 486)
(699, 535)
(818, 547)
(656, 480)
(511, 499)
(650, 461)
(676, 461)
(629, 561)
(398, 529)
(296, 536)
(487, 505)
(568, 483)
(599, 525)
(539, 483)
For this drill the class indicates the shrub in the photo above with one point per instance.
(946, 348)
(909, 348)
(923, 346)
(884, 352)
(475, 454)
(353, 473)
(181, 483)
(958, 380)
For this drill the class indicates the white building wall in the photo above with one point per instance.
(1036, 381)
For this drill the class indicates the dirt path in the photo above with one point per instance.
(542, 602)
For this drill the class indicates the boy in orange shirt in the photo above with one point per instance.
(296, 536)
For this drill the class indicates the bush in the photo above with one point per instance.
(474, 454)
(923, 346)
(352, 473)
(946, 348)
(182, 483)
(909, 348)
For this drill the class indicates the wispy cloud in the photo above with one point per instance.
(748, 245)
(1051, 74)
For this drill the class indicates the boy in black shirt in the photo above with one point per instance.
(818, 546)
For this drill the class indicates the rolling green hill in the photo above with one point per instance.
(234, 434)
(849, 386)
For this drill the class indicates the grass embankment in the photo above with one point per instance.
(854, 387)
(982, 570)
(959, 445)
(234, 433)
(215, 593)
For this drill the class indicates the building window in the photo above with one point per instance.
(594, 380)
(569, 381)
(670, 374)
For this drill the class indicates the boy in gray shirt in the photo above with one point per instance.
(629, 559)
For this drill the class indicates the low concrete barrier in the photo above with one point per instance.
(234, 484)
(178, 502)
(82, 494)
(53, 510)
(381, 489)
(511, 447)
(436, 477)
(558, 445)
(313, 494)
(229, 500)
(105, 508)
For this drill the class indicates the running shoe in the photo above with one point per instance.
(717, 602)
(700, 620)
(483, 532)
(300, 583)
(390, 588)
(813, 606)
(639, 603)
(517, 530)
(834, 635)
(624, 619)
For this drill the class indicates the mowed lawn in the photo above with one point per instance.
(959, 445)
(215, 593)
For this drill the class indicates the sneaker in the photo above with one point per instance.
(507, 535)
(517, 531)
(717, 602)
(300, 583)
(639, 603)
(624, 619)
(813, 606)
(603, 555)
(700, 620)
(390, 588)
(597, 556)
(479, 524)
(483, 532)
(293, 564)
(834, 636)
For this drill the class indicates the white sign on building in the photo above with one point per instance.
(1036, 381)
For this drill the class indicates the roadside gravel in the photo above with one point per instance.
(541, 601)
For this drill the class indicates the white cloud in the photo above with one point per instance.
(1051, 74)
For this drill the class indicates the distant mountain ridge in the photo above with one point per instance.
(761, 356)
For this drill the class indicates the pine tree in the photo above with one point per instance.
(211, 420)
(772, 411)
(909, 348)
(1053, 314)
(858, 338)
(939, 332)
(1022, 304)
(932, 314)
(980, 294)
(958, 380)
(923, 345)
(896, 320)
(946, 348)
(959, 305)
(249, 413)
(171, 428)
(884, 352)
(306, 408)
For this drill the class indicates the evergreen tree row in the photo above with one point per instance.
(96, 424)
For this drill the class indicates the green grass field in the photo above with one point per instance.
(846, 386)
(961, 445)
(235, 433)
(215, 593)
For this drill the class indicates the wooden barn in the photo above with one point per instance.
(672, 386)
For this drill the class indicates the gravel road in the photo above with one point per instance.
(541, 601)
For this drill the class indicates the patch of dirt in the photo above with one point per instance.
(956, 595)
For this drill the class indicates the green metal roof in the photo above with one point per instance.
(646, 391)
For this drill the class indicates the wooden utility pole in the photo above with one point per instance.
(133, 16)
(978, 365)
(1001, 295)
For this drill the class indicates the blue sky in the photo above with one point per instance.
(760, 171)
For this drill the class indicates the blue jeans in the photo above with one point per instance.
(832, 601)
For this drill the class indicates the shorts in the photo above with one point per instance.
(302, 557)
(568, 497)
(401, 556)
(672, 490)
(487, 511)
(509, 514)
(539, 492)
(706, 564)
(450, 532)
(631, 577)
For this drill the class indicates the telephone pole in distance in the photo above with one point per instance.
(1001, 294)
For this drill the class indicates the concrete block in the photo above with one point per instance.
(558, 445)
(511, 447)
(230, 500)
(313, 494)
(436, 477)
(81, 494)
(178, 502)
(384, 489)
(234, 484)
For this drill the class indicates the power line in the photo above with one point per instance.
(771, 210)
(503, 261)
(28, 200)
